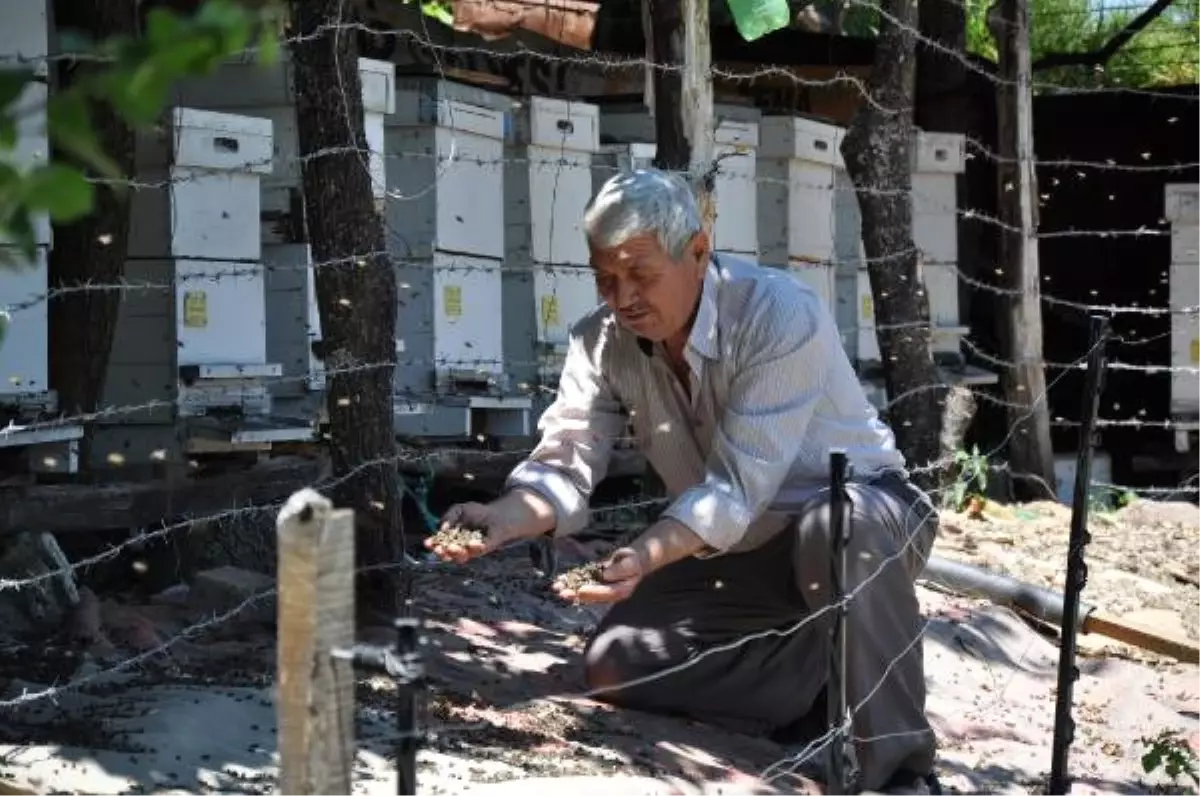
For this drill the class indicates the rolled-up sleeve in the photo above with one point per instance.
(780, 371)
(577, 431)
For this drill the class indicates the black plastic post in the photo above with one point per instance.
(405, 664)
(839, 777)
(1068, 673)
(409, 680)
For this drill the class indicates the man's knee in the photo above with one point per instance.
(881, 527)
(622, 653)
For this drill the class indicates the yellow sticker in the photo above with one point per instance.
(452, 301)
(868, 307)
(1195, 351)
(550, 310)
(195, 309)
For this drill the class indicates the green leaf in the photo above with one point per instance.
(70, 127)
(12, 84)
(8, 132)
(61, 190)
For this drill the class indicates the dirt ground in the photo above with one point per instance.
(503, 710)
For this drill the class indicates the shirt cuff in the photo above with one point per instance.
(570, 508)
(720, 520)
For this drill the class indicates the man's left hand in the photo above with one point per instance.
(619, 577)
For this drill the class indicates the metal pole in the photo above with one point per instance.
(839, 777)
(1064, 724)
(409, 680)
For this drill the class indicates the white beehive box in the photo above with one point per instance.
(194, 337)
(445, 169)
(941, 289)
(449, 327)
(548, 282)
(735, 192)
(1182, 206)
(24, 35)
(267, 91)
(25, 352)
(938, 159)
(799, 161)
(293, 319)
(213, 163)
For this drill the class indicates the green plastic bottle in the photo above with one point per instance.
(756, 18)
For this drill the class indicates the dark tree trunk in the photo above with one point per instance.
(876, 150)
(93, 248)
(941, 77)
(357, 295)
(672, 151)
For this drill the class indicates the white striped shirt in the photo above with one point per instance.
(772, 391)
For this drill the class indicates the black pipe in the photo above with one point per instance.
(1040, 603)
(1068, 672)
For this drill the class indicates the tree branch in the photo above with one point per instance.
(1101, 56)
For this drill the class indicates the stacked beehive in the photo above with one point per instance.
(445, 227)
(548, 284)
(192, 344)
(293, 323)
(799, 166)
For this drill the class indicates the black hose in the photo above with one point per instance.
(1039, 602)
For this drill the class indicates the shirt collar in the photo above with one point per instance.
(703, 337)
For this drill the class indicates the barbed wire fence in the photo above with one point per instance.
(398, 253)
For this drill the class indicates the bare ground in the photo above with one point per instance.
(199, 717)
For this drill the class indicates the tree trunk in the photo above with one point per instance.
(92, 249)
(1024, 381)
(357, 294)
(665, 35)
(877, 154)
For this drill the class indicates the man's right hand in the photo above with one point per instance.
(515, 516)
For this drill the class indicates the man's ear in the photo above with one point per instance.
(698, 248)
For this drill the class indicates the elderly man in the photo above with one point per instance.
(734, 380)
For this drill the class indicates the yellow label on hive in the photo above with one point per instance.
(1195, 351)
(550, 310)
(452, 301)
(868, 307)
(195, 309)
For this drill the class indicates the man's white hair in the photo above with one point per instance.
(643, 202)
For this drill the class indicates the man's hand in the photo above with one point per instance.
(515, 516)
(619, 576)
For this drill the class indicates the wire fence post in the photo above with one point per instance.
(840, 777)
(316, 617)
(1068, 673)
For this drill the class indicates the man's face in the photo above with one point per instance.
(652, 295)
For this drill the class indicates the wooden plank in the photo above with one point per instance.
(316, 616)
(68, 508)
(1169, 644)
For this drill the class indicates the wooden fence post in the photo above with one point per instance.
(316, 615)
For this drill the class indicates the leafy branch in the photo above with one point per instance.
(135, 80)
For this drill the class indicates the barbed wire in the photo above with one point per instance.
(778, 769)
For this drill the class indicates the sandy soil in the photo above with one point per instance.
(503, 659)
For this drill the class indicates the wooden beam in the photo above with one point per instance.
(74, 508)
(1024, 380)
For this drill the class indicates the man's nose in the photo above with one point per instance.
(625, 295)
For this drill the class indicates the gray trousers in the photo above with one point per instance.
(773, 681)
